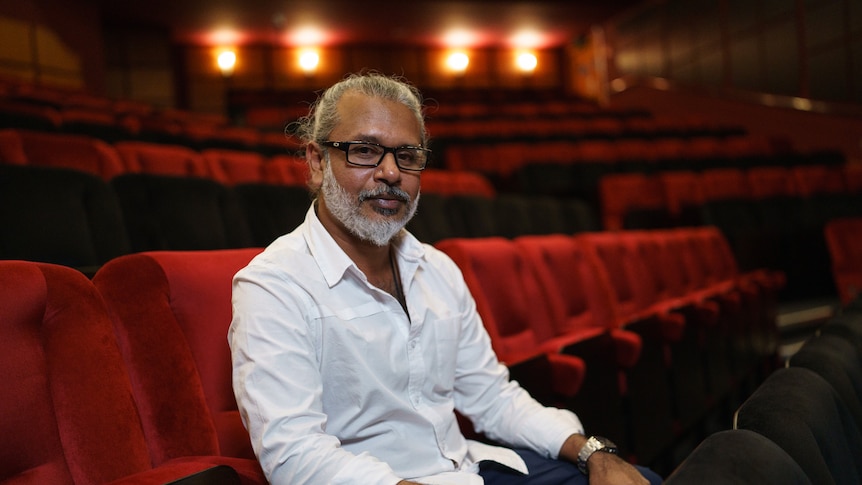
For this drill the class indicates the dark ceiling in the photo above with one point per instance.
(539, 23)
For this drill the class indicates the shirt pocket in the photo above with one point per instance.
(446, 337)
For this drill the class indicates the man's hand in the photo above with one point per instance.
(605, 468)
(407, 482)
(609, 469)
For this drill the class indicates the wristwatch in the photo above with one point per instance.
(594, 444)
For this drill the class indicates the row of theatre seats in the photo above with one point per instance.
(72, 217)
(672, 198)
(125, 376)
(773, 217)
(109, 160)
(802, 425)
(80, 201)
(42, 108)
(652, 337)
(573, 125)
(574, 168)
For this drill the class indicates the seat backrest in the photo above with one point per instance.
(740, 457)
(471, 183)
(59, 216)
(75, 152)
(681, 189)
(171, 312)
(505, 291)
(271, 210)
(843, 238)
(837, 360)
(766, 182)
(68, 412)
(724, 183)
(466, 215)
(180, 213)
(799, 411)
(234, 166)
(161, 159)
(11, 148)
(576, 290)
(617, 254)
(432, 223)
(286, 169)
(819, 179)
(621, 194)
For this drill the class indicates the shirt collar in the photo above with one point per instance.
(334, 262)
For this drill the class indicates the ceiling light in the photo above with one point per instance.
(526, 61)
(458, 61)
(226, 61)
(309, 59)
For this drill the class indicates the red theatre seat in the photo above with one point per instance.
(515, 309)
(723, 184)
(68, 406)
(161, 159)
(844, 240)
(506, 294)
(766, 182)
(75, 152)
(171, 313)
(232, 167)
(286, 170)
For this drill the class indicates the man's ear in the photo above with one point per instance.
(315, 160)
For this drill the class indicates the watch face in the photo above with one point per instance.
(605, 443)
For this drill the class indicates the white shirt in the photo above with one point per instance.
(336, 384)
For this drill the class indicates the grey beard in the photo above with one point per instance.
(348, 211)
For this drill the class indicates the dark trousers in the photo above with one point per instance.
(544, 471)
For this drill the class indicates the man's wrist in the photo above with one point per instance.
(593, 445)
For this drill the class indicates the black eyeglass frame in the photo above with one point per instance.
(344, 146)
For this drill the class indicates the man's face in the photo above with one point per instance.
(369, 203)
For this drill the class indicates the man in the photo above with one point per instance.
(353, 344)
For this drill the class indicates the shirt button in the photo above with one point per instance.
(412, 345)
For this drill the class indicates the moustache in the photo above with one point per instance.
(389, 190)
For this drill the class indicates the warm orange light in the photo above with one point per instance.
(526, 39)
(226, 61)
(526, 62)
(458, 61)
(308, 35)
(309, 59)
(459, 38)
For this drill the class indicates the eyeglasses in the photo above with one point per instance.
(367, 154)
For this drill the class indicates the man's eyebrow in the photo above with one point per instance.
(376, 139)
(369, 138)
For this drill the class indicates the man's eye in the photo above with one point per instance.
(365, 150)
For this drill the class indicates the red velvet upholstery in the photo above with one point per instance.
(844, 239)
(161, 159)
(577, 292)
(68, 151)
(493, 268)
(171, 313)
(621, 193)
(11, 149)
(286, 170)
(68, 412)
(511, 306)
(819, 179)
(234, 167)
(724, 183)
(766, 182)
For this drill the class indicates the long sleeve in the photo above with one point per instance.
(278, 386)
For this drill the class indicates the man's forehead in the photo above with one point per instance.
(356, 108)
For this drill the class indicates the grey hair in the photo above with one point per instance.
(323, 115)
